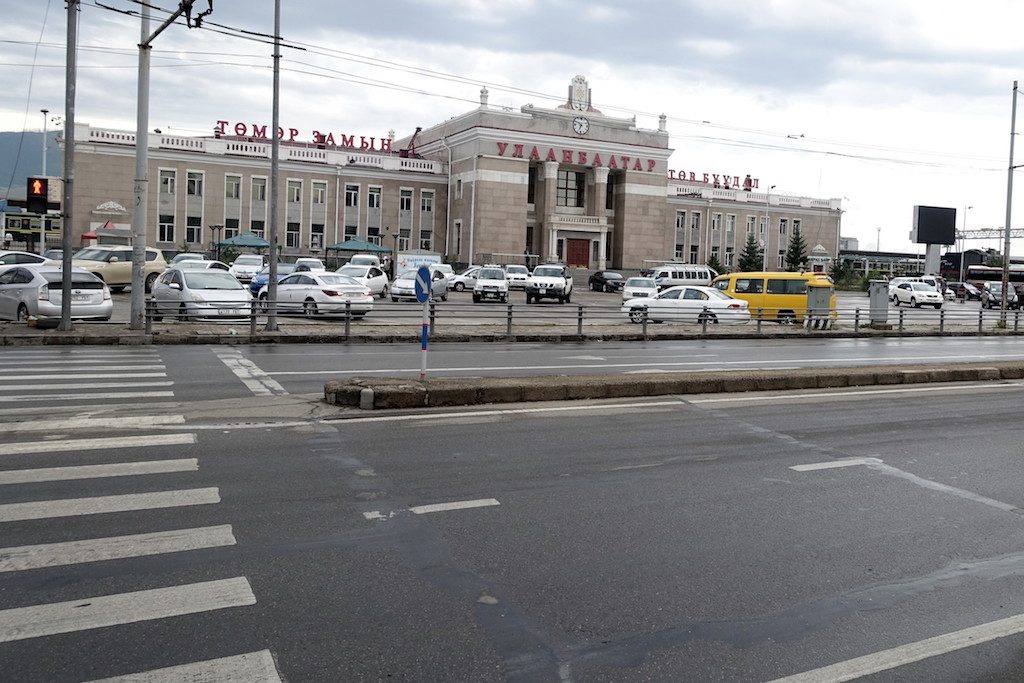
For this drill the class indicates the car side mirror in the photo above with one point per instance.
(174, 285)
(113, 259)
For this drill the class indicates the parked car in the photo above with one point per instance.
(404, 286)
(263, 277)
(638, 287)
(364, 260)
(992, 295)
(674, 274)
(972, 292)
(9, 258)
(187, 256)
(314, 264)
(445, 269)
(917, 294)
(517, 276)
(113, 265)
(316, 293)
(192, 294)
(375, 279)
(197, 264)
(688, 304)
(246, 266)
(549, 281)
(26, 290)
(53, 254)
(464, 280)
(606, 281)
(490, 284)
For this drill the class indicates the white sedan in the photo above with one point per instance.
(637, 287)
(916, 294)
(317, 293)
(688, 304)
(375, 279)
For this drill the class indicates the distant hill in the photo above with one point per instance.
(15, 167)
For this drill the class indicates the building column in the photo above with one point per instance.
(600, 197)
(550, 198)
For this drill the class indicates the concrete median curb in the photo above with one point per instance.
(382, 393)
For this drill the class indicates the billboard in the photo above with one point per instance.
(934, 225)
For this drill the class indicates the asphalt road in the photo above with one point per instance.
(639, 540)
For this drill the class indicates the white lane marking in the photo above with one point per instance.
(23, 398)
(90, 385)
(783, 362)
(71, 376)
(94, 444)
(105, 408)
(78, 423)
(73, 507)
(436, 507)
(252, 667)
(256, 380)
(53, 362)
(123, 608)
(105, 368)
(846, 462)
(862, 392)
(120, 469)
(507, 411)
(910, 653)
(27, 557)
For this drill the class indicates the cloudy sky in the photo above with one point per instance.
(882, 103)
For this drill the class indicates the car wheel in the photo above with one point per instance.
(358, 316)
(444, 297)
(913, 302)
(394, 299)
(263, 302)
(529, 299)
(157, 318)
(384, 293)
(637, 315)
(568, 298)
(309, 308)
(22, 313)
(150, 279)
(117, 289)
(711, 318)
(182, 313)
(786, 317)
(458, 287)
(938, 306)
(504, 298)
(476, 299)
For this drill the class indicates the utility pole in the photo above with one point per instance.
(767, 230)
(42, 219)
(963, 242)
(45, 112)
(1009, 208)
(140, 207)
(275, 153)
(70, 72)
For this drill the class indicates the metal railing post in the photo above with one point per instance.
(704, 321)
(643, 320)
(149, 317)
(433, 314)
(759, 311)
(981, 319)
(348, 319)
(579, 320)
(252, 319)
(1016, 319)
(942, 320)
(901, 321)
(508, 321)
(856, 322)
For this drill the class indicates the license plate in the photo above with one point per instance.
(542, 291)
(79, 297)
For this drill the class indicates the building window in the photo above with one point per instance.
(531, 185)
(730, 228)
(230, 227)
(751, 222)
(352, 231)
(694, 229)
(295, 191)
(194, 230)
(166, 228)
(458, 238)
(427, 202)
(796, 224)
(783, 225)
(680, 234)
(195, 184)
(405, 200)
(351, 195)
(764, 226)
(319, 193)
(316, 236)
(569, 189)
(693, 253)
(232, 187)
(372, 197)
(609, 196)
(291, 236)
(729, 256)
(458, 188)
(256, 227)
(168, 181)
(259, 189)
(782, 259)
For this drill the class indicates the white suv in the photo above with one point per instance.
(549, 281)
(517, 275)
(490, 284)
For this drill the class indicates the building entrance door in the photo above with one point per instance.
(577, 252)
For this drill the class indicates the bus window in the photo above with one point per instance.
(749, 286)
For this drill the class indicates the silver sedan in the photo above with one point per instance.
(36, 292)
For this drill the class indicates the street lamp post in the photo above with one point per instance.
(963, 238)
(767, 232)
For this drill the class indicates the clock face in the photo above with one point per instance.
(581, 125)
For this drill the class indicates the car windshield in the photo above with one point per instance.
(469, 271)
(311, 262)
(640, 282)
(553, 271)
(612, 276)
(92, 255)
(492, 274)
(211, 280)
(363, 261)
(517, 269)
(921, 287)
(353, 271)
(249, 261)
(282, 269)
(407, 275)
(193, 264)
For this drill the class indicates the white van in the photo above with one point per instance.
(364, 260)
(673, 274)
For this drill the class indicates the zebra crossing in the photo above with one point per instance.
(73, 439)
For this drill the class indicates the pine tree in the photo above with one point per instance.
(796, 253)
(716, 265)
(751, 258)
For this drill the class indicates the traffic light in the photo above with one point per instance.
(37, 194)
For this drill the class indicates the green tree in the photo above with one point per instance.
(796, 252)
(751, 258)
(716, 265)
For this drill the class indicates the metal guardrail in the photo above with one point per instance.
(510, 318)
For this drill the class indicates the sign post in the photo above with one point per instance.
(423, 286)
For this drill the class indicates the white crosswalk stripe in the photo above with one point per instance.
(56, 407)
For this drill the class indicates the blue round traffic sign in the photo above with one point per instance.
(422, 284)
